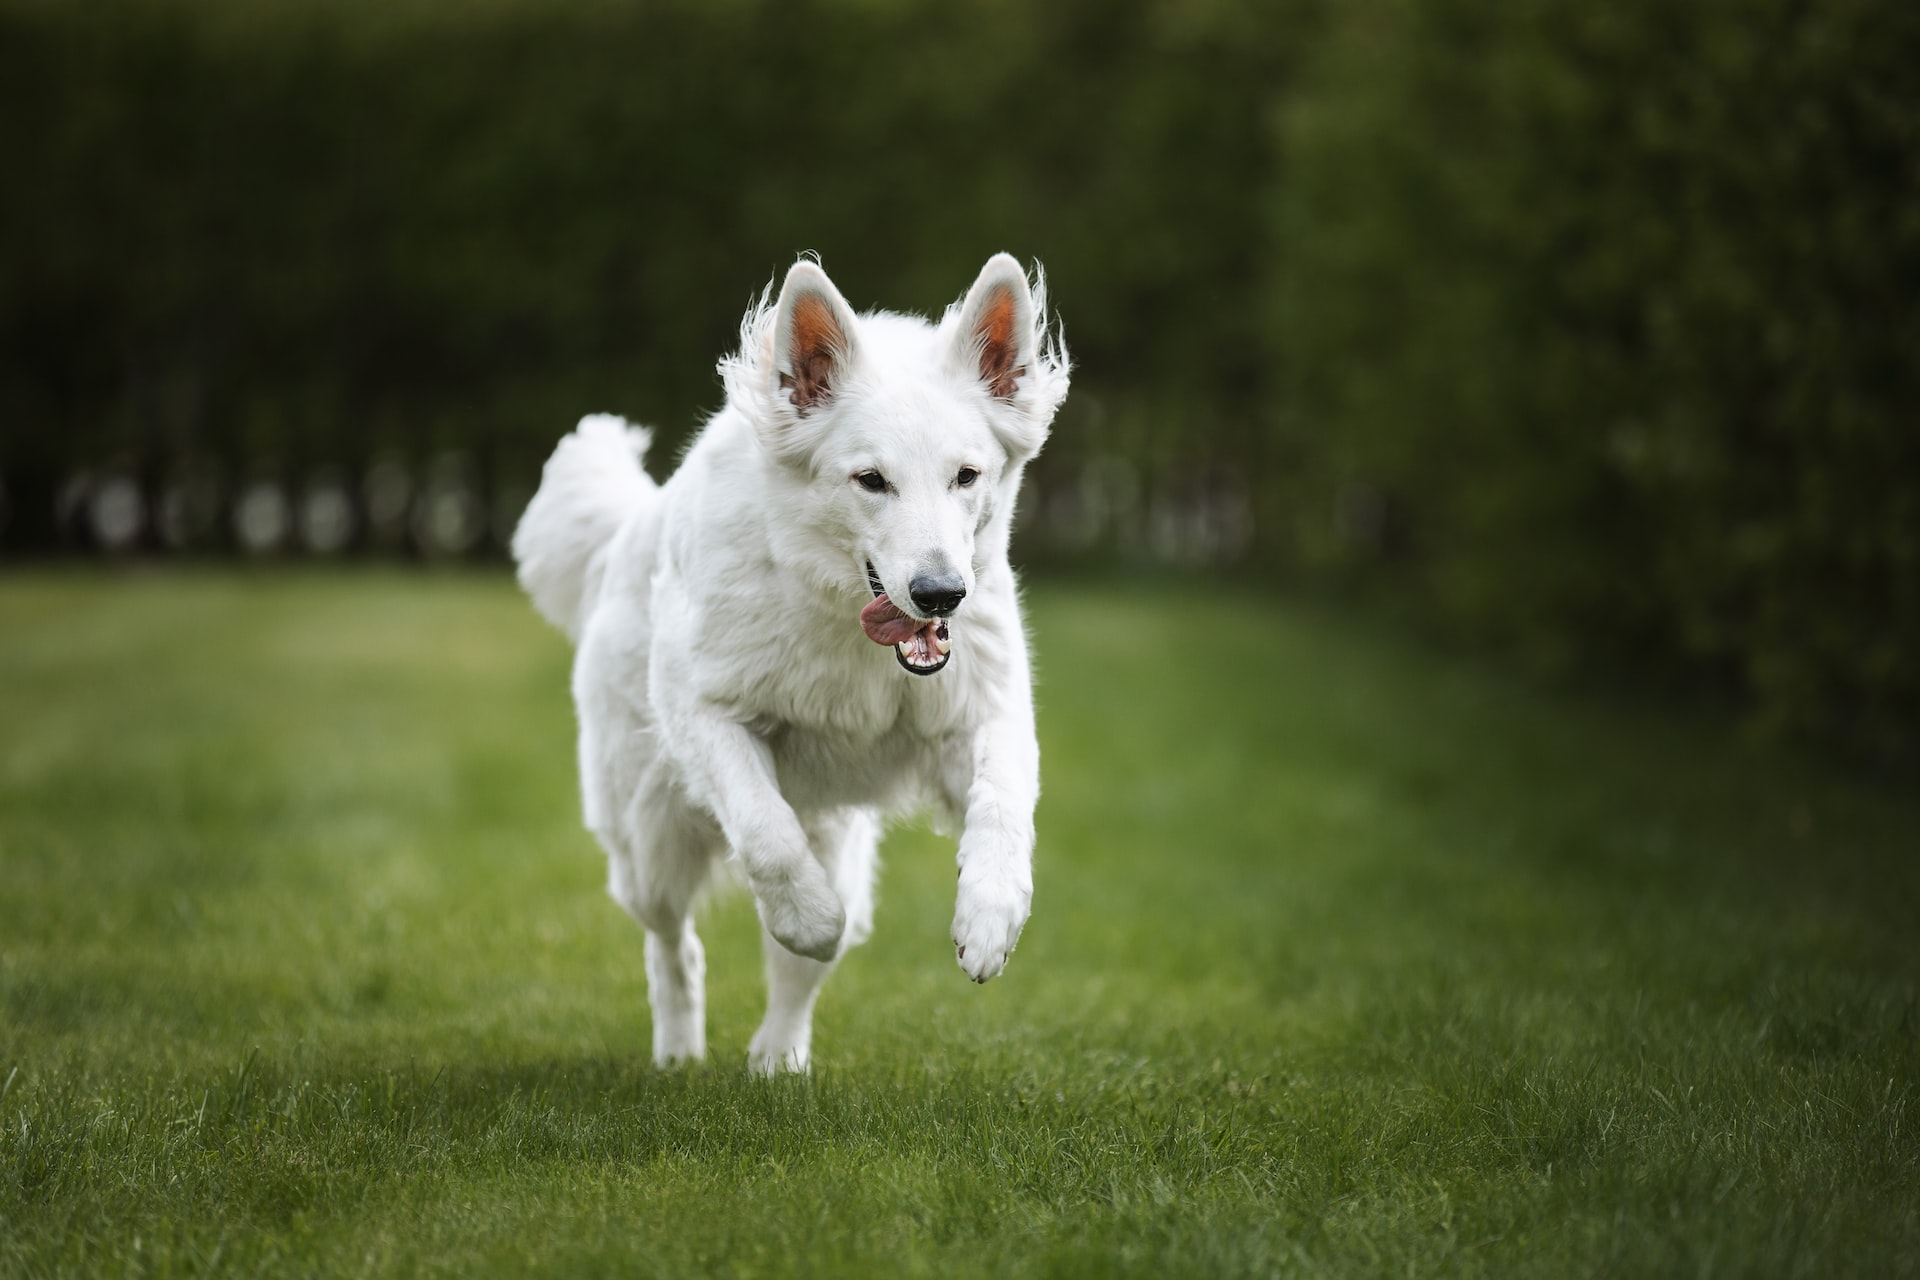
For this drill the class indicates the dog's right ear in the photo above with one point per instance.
(796, 354)
(812, 339)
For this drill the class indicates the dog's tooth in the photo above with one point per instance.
(944, 645)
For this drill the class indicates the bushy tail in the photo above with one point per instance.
(591, 484)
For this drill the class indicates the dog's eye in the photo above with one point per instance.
(966, 477)
(872, 481)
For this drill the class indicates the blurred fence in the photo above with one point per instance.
(1587, 332)
(262, 263)
(450, 505)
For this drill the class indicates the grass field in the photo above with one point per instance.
(1345, 959)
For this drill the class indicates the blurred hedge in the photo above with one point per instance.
(1591, 330)
(311, 230)
(1611, 315)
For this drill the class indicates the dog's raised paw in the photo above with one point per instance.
(807, 919)
(987, 921)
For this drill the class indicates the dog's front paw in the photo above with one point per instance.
(804, 914)
(987, 920)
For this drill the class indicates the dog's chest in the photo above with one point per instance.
(892, 770)
(872, 741)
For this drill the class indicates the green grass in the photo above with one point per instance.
(1345, 959)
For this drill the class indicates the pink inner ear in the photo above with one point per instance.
(817, 344)
(997, 350)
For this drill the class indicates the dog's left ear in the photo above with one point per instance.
(995, 341)
(1000, 340)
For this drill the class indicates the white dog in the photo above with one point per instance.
(810, 627)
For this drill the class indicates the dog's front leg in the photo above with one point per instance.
(730, 771)
(996, 847)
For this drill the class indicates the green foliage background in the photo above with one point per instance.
(1586, 330)
(1620, 307)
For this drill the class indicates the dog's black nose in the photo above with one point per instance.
(937, 594)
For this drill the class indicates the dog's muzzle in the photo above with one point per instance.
(921, 647)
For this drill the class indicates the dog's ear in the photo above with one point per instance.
(996, 327)
(1000, 339)
(797, 352)
(812, 338)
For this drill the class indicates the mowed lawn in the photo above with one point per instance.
(1345, 959)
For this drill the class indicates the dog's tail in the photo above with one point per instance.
(591, 484)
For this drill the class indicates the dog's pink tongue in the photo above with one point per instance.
(885, 624)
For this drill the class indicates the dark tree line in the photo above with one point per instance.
(1587, 330)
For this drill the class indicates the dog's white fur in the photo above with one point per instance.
(728, 697)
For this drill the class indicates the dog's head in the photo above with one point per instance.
(906, 439)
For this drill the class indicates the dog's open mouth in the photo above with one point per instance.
(922, 647)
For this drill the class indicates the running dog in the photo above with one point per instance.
(810, 628)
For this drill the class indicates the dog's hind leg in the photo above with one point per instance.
(846, 842)
(655, 875)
